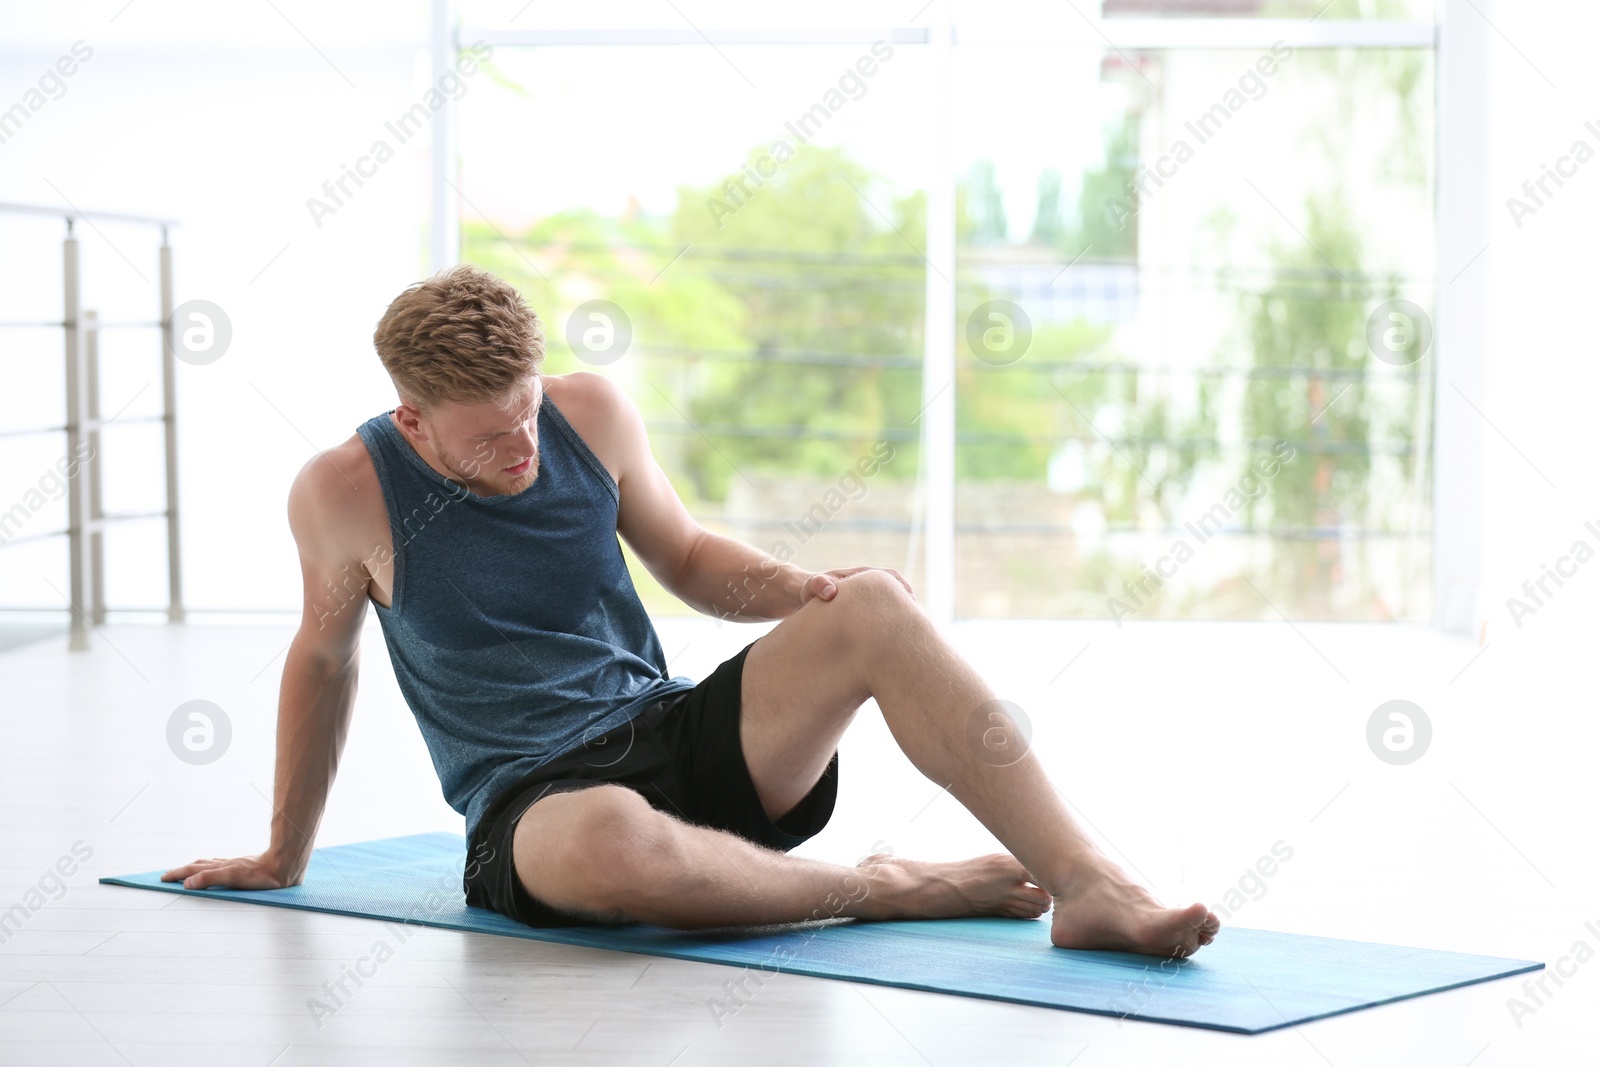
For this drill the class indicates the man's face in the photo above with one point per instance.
(490, 447)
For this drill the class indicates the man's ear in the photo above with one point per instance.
(408, 414)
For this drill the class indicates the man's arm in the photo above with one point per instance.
(711, 573)
(318, 689)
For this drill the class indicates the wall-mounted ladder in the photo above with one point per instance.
(87, 519)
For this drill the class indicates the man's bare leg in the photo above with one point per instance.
(605, 852)
(805, 679)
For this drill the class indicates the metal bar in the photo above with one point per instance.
(685, 35)
(89, 424)
(56, 325)
(1314, 446)
(32, 433)
(91, 431)
(77, 411)
(1210, 34)
(71, 213)
(1128, 34)
(117, 420)
(1067, 532)
(1305, 288)
(169, 416)
(1237, 278)
(101, 523)
(36, 537)
(124, 516)
(140, 610)
(801, 357)
(937, 457)
(979, 257)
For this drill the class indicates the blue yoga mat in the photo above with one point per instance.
(1248, 981)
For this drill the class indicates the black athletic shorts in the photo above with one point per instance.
(682, 754)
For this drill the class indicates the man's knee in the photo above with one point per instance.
(874, 602)
(602, 850)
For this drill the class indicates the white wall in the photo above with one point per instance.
(228, 120)
(1542, 378)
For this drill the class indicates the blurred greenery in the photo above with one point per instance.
(778, 331)
(1108, 234)
(801, 315)
(1310, 318)
(829, 283)
(1347, 407)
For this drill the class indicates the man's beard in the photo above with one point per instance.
(479, 479)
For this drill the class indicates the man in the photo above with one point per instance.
(481, 517)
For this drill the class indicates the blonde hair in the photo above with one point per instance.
(462, 335)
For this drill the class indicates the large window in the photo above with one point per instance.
(1192, 287)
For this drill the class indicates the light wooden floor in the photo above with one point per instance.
(1190, 749)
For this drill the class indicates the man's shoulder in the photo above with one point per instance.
(601, 413)
(583, 395)
(334, 474)
(336, 492)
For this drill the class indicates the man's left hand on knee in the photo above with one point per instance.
(823, 585)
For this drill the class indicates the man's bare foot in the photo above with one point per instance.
(1104, 909)
(985, 885)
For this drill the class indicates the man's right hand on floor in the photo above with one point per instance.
(243, 872)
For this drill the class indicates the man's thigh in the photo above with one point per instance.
(803, 682)
(566, 849)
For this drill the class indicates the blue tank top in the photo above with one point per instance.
(514, 628)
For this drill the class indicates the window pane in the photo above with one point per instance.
(1182, 382)
(746, 264)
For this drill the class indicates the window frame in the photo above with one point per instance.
(1459, 39)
